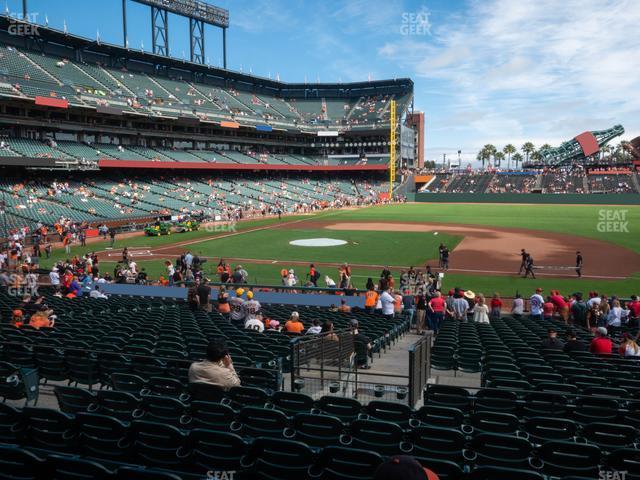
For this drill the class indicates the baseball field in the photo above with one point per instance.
(484, 240)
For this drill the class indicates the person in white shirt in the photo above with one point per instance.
(251, 307)
(517, 309)
(254, 324)
(480, 310)
(315, 328)
(616, 315)
(133, 267)
(594, 300)
(54, 278)
(95, 293)
(536, 304)
(388, 304)
(330, 283)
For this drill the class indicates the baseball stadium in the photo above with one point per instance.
(210, 274)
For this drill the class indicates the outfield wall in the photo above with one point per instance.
(541, 198)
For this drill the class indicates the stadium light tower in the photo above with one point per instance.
(198, 12)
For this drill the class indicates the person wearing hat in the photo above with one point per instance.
(236, 305)
(573, 343)
(602, 344)
(552, 342)
(403, 467)
(251, 308)
(294, 325)
(216, 368)
(536, 305)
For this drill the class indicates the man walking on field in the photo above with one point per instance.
(523, 262)
(579, 262)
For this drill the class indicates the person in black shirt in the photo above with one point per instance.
(204, 292)
(573, 344)
(361, 345)
(528, 267)
(552, 342)
(579, 262)
(523, 263)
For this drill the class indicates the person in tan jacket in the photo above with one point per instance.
(217, 368)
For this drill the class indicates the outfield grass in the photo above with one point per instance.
(581, 220)
(399, 248)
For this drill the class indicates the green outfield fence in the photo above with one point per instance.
(538, 198)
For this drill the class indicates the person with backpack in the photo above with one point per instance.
(314, 275)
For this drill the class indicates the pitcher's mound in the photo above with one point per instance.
(317, 242)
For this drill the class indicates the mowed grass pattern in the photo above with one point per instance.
(362, 247)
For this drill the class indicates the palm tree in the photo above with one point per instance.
(509, 150)
(499, 156)
(490, 151)
(517, 158)
(480, 157)
(527, 149)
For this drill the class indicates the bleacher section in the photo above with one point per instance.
(607, 183)
(562, 182)
(106, 198)
(469, 183)
(512, 183)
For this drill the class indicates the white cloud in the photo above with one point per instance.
(547, 69)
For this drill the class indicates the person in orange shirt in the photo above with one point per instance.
(397, 304)
(38, 321)
(370, 299)
(294, 325)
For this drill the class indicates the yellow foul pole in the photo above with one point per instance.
(392, 149)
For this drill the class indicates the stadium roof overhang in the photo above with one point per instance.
(48, 34)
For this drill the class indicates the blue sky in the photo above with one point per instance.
(485, 71)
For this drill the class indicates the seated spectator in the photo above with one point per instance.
(552, 342)
(601, 345)
(294, 325)
(95, 293)
(344, 308)
(17, 318)
(628, 346)
(327, 328)
(217, 368)
(271, 324)
(39, 320)
(315, 328)
(254, 323)
(573, 344)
